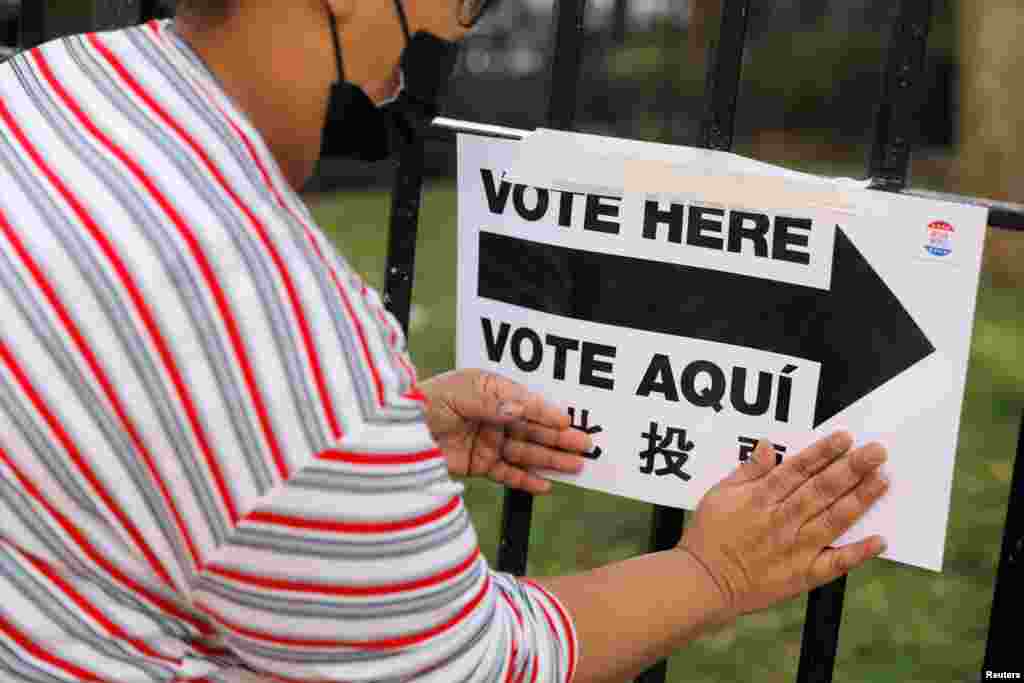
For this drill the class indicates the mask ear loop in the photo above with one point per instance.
(402, 19)
(337, 45)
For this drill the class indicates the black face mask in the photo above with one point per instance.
(357, 128)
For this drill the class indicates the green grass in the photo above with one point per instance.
(900, 624)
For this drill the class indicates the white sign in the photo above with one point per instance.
(683, 303)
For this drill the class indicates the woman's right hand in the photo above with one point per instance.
(763, 533)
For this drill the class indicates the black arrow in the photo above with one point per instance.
(858, 330)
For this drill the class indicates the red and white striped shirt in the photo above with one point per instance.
(212, 453)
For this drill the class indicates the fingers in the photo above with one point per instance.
(822, 491)
(761, 461)
(529, 455)
(798, 469)
(485, 452)
(516, 478)
(836, 520)
(518, 457)
(510, 395)
(507, 461)
(834, 562)
(546, 413)
(563, 439)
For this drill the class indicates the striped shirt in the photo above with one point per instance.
(213, 457)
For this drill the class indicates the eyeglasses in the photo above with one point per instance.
(470, 11)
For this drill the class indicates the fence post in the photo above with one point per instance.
(723, 81)
(400, 265)
(717, 131)
(1002, 651)
(889, 163)
(888, 167)
(517, 511)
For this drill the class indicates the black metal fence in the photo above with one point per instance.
(887, 168)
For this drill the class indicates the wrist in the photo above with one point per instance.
(721, 605)
(427, 388)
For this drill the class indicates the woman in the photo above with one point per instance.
(216, 461)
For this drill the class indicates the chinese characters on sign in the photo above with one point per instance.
(673, 448)
(658, 445)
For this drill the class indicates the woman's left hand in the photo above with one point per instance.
(488, 425)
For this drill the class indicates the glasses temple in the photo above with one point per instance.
(403, 19)
(337, 44)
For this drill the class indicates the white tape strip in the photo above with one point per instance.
(750, 191)
(559, 159)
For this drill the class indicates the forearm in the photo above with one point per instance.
(631, 613)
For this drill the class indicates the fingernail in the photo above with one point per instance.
(511, 409)
(840, 442)
(877, 456)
